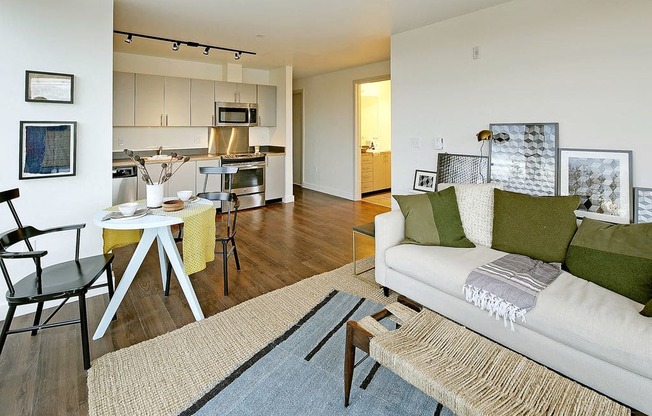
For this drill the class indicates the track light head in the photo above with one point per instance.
(237, 55)
(206, 50)
(175, 46)
(128, 40)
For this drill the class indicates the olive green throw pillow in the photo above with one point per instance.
(540, 227)
(433, 219)
(647, 310)
(615, 256)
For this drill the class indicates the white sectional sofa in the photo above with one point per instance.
(581, 330)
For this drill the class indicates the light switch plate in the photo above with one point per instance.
(416, 142)
(439, 143)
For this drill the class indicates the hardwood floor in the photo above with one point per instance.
(278, 245)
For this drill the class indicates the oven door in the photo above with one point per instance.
(249, 179)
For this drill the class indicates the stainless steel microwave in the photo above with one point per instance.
(236, 114)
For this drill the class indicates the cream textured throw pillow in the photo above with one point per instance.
(476, 204)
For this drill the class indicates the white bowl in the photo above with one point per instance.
(128, 208)
(184, 195)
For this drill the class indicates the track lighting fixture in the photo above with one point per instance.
(177, 43)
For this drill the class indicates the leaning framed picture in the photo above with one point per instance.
(47, 149)
(602, 179)
(49, 87)
(523, 157)
(424, 180)
(642, 205)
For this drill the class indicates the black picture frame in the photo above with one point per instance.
(47, 149)
(49, 87)
(424, 180)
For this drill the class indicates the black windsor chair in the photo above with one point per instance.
(72, 278)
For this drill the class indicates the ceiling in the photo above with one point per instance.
(311, 36)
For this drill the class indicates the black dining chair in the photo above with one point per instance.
(61, 281)
(225, 237)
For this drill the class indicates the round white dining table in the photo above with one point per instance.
(154, 227)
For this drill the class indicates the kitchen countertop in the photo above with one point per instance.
(193, 158)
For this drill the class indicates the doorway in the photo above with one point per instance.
(297, 138)
(373, 140)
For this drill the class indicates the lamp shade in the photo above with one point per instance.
(484, 135)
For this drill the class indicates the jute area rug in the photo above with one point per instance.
(165, 375)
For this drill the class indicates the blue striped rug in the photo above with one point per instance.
(302, 373)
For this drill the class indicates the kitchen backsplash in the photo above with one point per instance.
(150, 138)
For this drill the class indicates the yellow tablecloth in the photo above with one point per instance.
(198, 234)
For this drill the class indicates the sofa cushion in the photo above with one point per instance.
(647, 310)
(476, 204)
(615, 256)
(433, 219)
(540, 227)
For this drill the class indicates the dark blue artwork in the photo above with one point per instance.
(47, 149)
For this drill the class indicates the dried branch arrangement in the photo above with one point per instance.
(169, 167)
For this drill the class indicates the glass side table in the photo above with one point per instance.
(369, 230)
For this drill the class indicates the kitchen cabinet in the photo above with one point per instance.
(375, 171)
(382, 170)
(123, 99)
(275, 176)
(162, 101)
(266, 105)
(232, 92)
(366, 172)
(202, 102)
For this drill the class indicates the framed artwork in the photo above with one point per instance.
(49, 87)
(642, 205)
(602, 178)
(424, 180)
(454, 168)
(47, 148)
(525, 160)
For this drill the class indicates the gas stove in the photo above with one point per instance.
(243, 158)
(242, 155)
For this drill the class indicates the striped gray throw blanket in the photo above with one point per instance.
(508, 287)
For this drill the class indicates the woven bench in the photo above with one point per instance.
(467, 373)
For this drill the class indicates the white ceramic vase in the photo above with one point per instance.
(155, 195)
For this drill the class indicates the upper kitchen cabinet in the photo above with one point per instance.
(162, 101)
(123, 99)
(266, 105)
(202, 102)
(231, 92)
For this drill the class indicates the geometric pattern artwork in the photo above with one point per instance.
(527, 162)
(453, 168)
(602, 181)
(642, 205)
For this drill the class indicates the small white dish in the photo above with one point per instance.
(128, 208)
(184, 195)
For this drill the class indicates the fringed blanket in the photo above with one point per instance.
(508, 287)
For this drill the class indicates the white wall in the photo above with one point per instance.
(582, 63)
(71, 36)
(329, 129)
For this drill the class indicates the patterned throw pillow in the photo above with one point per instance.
(433, 219)
(540, 227)
(615, 256)
(476, 204)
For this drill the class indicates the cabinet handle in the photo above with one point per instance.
(166, 119)
(161, 121)
(212, 119)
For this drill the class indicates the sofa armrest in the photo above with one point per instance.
(390, 231)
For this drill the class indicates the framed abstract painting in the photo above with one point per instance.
(602, 179)
(47, 149)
